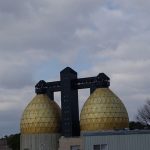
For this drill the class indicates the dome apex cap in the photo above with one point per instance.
(41, 87)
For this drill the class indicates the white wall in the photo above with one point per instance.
(39, 141)
(119, 142)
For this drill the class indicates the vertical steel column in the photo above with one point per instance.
(69, 104)
(50, 94)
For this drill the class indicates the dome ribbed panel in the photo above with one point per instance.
(42, 115)
(103, 111)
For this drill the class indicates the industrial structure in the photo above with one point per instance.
(103, 118)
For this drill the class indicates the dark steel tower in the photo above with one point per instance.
(69, 103)
(69, 85)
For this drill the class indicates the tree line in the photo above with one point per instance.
(13, 141)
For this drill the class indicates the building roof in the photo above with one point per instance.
(119, 132)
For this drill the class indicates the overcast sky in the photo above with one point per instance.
(40, 38)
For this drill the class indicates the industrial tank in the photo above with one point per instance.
(40, 124)
(103, 111)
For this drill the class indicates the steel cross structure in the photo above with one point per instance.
(68, 86)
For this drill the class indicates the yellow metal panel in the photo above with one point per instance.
(103, 111)
(42, 115)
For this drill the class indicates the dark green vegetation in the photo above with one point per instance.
(13, 141)
(137, 125)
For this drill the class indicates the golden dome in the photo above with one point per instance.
(103, 111)
(42, 115)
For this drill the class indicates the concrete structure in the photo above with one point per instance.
(39, 141)
(108, 140)
(74, 143)
(117, 140)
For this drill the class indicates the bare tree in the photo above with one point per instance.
(143, 115)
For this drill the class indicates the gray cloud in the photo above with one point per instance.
(13, 102)
(48, 24)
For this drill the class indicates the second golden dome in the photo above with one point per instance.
(103, 111)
